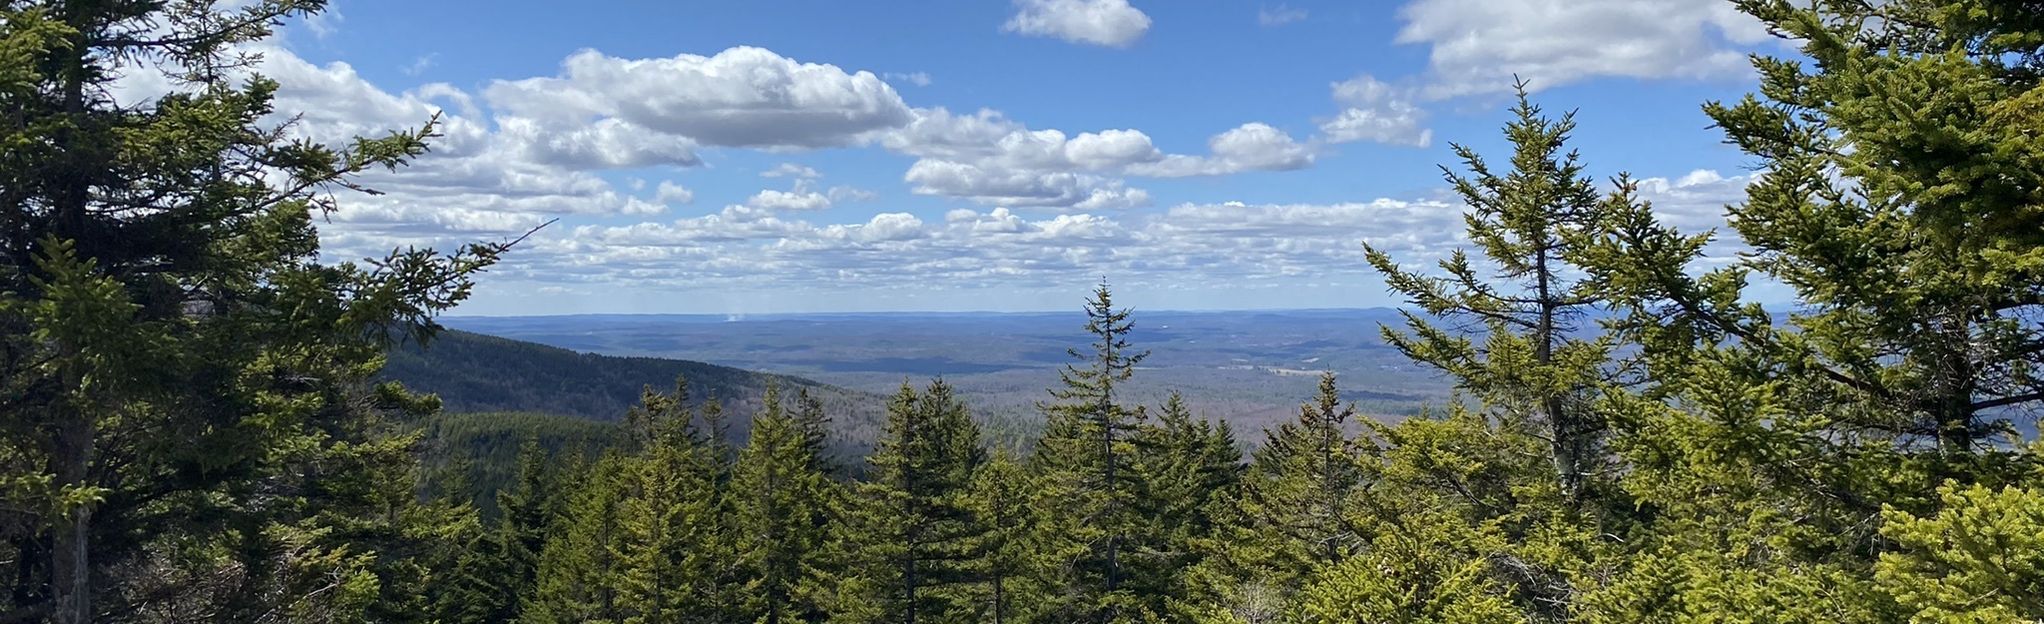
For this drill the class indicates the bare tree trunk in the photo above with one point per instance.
(70, 565)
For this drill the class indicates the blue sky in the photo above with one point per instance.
(807, 156)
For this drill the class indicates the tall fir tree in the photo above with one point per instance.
(1524, 221)
(581, 567)
(525, 519)
(1191, 470)
(676, 554)
(1014, 580)
(1086, 467)
(915, 530)
(783, 506)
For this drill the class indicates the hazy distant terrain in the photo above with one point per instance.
(1247, 367)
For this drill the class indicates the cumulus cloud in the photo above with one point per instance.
(790, 170)
(998, 247)
(671, 193)
(850, 194)
(990, 159)
(1110, 23)
(741, 97)
(1376, 112)
(1249, 147)
(522, 152)
(1020, 187)
(1476, 46)
(798, 199)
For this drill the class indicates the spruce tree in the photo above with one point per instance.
(581, 568)
(674, 558)
(1524, 222)
(1013, 578)
(1895, 197)
(1295, 514)
(914, 527)
(1087, 469)
(183, 370)
(524, 521)
(1190, 469)
(782, 506)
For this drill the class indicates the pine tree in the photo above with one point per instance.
(1087, 469)
(783, 506)
(814, 424)
(914, 525)
(1295, 512)
(581, 567)
(524, 521)
(177, 358)
(1895, 196)
(1524, 222)
(673, 562)
(1011, 573)
(1190, 469)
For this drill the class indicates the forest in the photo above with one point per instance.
(193, 429)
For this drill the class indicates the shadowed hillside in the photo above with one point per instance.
(478, 373)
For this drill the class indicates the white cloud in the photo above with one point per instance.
(325, 23)
(1021, 187)
(506, 165)
(990, 159)
(799, 199)
(1249, 147)
(1476, 46)
(791, 170)
(920, 79)
(420, 65)
(1279, 15)
(1098, 22)
(1376, 112)
(996, 247)
(850, 194)
(671, 193)
(742, 97)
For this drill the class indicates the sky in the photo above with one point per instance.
(786, 156)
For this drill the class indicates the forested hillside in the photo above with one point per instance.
(194, 428)
(477, 373)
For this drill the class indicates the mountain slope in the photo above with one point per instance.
(479, 373)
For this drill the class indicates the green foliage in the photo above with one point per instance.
(912, 528)
(1980, 559)
(1089, 489)
(782, 504)
(188, 430)
(1527, 222)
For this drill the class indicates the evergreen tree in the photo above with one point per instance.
(1294, 515)
(782, 506)
(814, 425)
(1087, 470)
(1012, 576)
(184, 377)
(914, 525)
(1895, 197)
(1524, 222)
(675, 559)
(1190, 470)
(524, 521)
(581, 567)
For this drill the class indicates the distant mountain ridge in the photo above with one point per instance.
(474, 372)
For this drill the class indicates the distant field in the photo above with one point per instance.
(1250, 368)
